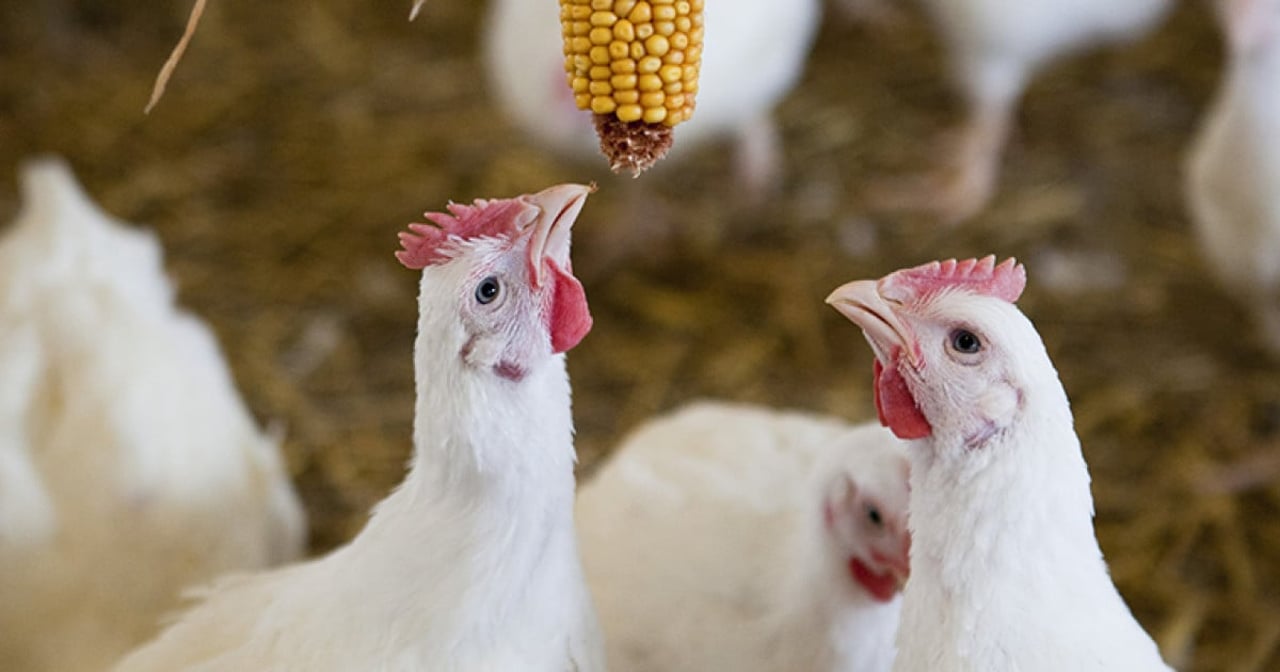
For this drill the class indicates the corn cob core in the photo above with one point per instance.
(636, 61)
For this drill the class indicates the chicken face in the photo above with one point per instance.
(867, 527)
(945, 337)
(515, 295)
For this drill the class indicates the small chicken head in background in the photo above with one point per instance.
(521, 300)
(940, 333)
(865, 517)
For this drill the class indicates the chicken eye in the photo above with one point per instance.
(487, 290)
(963, 340)
(873, 514)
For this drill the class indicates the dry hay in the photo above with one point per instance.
(304, 137)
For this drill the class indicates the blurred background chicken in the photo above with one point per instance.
(1233, 180)
(994, 48)
(296, 139)
(130, 469)
(734, 537)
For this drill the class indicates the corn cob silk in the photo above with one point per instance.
(634, 64)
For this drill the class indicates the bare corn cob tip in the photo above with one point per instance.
(632, 145)
(634, 63)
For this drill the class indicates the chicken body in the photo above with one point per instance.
(721, 538)
(994, 47)
(754, 52)
(1006, 573)
(1234, 165)
(471, 564)
(129, 467)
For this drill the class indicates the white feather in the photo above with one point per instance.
(129, 467)
(705, 548)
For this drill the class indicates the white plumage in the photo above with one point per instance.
(129, 467)
(1234, 166)
(1006, 573)
(754, 52)
(995, 47)
(706, 549)
(471, 564)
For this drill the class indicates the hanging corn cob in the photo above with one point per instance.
(634, 64)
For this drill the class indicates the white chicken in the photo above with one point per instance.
(730, 537)
(1006, 573)
(471, 565)
(995, 46)
(129, 467)
(754, 52)
(1234, 166)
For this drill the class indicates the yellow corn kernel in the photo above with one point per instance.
(624, 30)
(657, 45)
(630, 112)
(641, 13)
(601, 35)
(655, 115)
(650, 82)
(635, 59)
(603, 104)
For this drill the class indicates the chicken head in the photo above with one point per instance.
(946, 336)
(504, 265)
(865, 516)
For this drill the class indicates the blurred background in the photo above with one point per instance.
(296, 139)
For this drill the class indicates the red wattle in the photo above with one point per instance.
(881, 587)
(896, 406)
(569, 319)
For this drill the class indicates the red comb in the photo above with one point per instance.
(979, 276)
(427, 244)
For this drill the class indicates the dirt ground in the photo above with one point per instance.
(296, 139)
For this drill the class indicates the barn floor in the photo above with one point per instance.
(297, 138)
